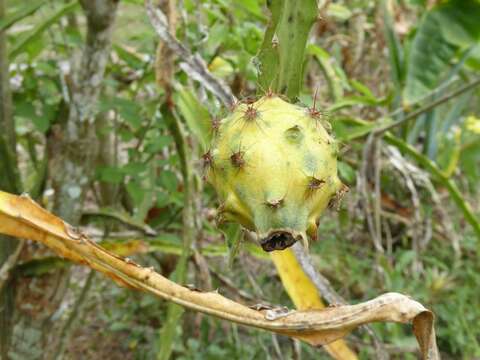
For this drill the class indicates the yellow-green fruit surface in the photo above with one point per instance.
(274, 166)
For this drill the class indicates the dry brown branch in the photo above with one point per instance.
(192, 64)
(22, 217)
(371, 201)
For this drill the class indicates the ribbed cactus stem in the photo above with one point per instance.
(281, 57)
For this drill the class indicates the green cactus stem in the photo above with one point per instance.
(281, 56)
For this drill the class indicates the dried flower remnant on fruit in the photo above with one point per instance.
(274, 204)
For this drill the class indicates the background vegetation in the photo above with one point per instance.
(92, 107)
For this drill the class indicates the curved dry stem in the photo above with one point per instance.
(22, 217)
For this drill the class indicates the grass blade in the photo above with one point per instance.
(24, 41)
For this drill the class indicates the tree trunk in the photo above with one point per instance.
(9, 181)
(72, 147)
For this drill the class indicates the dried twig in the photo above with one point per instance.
(192, 64)
(398, 163)
(421, 178)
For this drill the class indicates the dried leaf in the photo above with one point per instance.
(22, 217)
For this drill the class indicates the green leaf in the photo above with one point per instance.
(168, 180)
(217, 35)
(473, 61)
(354, 100)
(196, 116)
(135, 190)
(329, 69)
(346, 172)
(110, 174)
(129, 110)
(42, 266)
(461, 18)
(395, 50)
(253, 7)
(338, 12)
(163, 199)
(25, 10)
(41, 120)
(134, 168)
(132, 59)
(444, 30)
(405, 259)
(158, 143)
(363, 89)
(24, 41)
(233, 238)
(346, 129)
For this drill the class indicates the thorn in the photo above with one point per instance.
(250, 113)
(269, 93)
(315, 184)
(237, 159)
(216, 122)
(313, 110)
(319, 115)
(249, 100)
(234, 106)
(207, 160)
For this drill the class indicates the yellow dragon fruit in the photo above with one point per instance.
(274, 165)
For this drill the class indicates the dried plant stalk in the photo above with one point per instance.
(21, 217)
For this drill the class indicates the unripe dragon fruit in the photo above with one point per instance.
(274, 165)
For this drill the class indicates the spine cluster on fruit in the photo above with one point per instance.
(274, 165)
